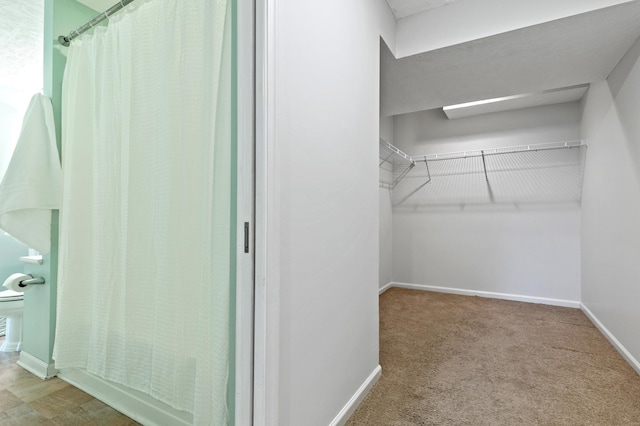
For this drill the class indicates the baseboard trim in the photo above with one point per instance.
(134, 404)
(385, 287)
(491, 295)
(36, 366)
(633, 362)
(348, 410)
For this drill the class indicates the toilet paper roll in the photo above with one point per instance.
(13, 282)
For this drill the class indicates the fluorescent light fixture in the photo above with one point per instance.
(483, 102)
(526, 100)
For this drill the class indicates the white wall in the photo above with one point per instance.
(386, 224)
(611, 202)
(10, 252)
(326, 133)
(532, 251)
(13, 104)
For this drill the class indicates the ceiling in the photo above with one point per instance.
(21, 53)
(403, 8)
(566, 52)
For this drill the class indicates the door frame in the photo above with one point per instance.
(246, 214)
(267, 235)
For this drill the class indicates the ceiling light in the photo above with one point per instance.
(506, 103)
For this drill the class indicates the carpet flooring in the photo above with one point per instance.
(459, 360)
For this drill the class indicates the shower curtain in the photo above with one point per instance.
(144, 257)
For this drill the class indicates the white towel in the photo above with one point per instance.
(32, 185)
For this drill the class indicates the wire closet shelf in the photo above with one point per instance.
(542, 173)
(394, 165)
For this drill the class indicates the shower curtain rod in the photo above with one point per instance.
(66, 40)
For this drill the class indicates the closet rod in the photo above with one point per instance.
(66, 40)
(496, 151)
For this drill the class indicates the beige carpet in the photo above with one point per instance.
(458, 360)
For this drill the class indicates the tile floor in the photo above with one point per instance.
(27, 400)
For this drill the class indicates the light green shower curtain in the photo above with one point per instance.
(143, 285)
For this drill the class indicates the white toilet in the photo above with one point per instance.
(11, 307)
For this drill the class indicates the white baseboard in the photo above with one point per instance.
(612, 339)
(136, 405)
(385, 287)
(347, 411)
(36, 366)
(491, 295)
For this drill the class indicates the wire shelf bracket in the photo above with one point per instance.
(394, 165)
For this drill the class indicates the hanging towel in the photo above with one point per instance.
(32, 185)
